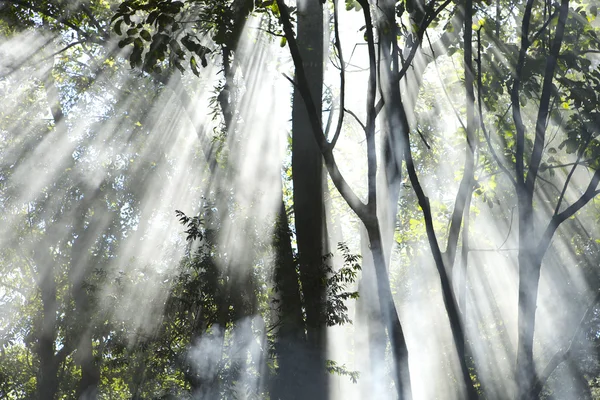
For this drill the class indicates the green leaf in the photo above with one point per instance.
(125, 42)
(118, 27)
(145, 35)
(282, 42)
(194, 66)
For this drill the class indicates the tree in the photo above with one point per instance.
(89, 147)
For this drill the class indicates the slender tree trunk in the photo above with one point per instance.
(374, 367)
(80, 269)
(47, 384)
(47, 379)
(390, 314)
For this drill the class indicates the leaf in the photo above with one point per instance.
(194, 66)
(125, 42)
(152, 17)
(282, 42)
(144, 34)
(118, 27)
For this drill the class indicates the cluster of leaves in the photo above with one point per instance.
(193, 225)
(159, 35)
(334, 368)
(337, 284)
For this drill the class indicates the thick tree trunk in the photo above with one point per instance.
(307, 174)
(530, 264)
(290, 336)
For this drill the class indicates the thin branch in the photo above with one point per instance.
(338, 46)
(371, 114)
(572, 171)
(547, 88)
(512, 211)
(413, 51)
(340, 183)
(514, 95)
(465, 189)
(486, 134)
(559, 218)
(59, 19)
(73, 44)
(362, 125)
(543, 28)
(563, 354)
(444, 86)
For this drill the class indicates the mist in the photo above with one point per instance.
(184, 216)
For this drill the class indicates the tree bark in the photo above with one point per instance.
(307, 175)
(290, 335)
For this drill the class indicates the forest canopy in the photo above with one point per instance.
(289, 200)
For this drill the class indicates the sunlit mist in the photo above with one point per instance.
(147, 211)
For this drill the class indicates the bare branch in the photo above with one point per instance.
(340, 183)
(338, 46)
(362, 125)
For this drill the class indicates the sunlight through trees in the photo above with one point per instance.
(289, 200)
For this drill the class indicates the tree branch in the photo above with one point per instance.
(486, 134)
(559, 218)
(340, 183)
(542, 117)
(563, 354)
(338, 46)
(514, 94)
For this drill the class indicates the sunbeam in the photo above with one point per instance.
(290, 200)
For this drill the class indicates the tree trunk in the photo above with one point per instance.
(80, 269)
(390, 315)
(290, 336)
(307, 175)
(369, 311)
(530, 264)
(48, 383)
